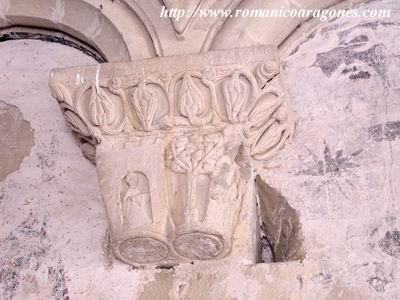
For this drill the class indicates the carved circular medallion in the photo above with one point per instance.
(198, 245)
(143, 250)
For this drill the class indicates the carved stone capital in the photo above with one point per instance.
(174, 140)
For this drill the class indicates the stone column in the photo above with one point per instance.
(175, 141)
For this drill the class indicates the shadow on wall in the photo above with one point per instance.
(52, 36)
(281, 232)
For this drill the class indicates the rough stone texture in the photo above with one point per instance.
(340, 173)
(127, 30)
(280, 224)
(176, 139)
(16, 139)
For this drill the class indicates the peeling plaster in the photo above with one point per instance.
(16, 139)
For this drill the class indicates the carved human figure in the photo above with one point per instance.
(136, 205)
(223, 203)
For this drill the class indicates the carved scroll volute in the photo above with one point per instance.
(145, 100)
(191, 101)
(266, 71)
(76, 123)
(235, 94)
(66, 103)
(62, 95)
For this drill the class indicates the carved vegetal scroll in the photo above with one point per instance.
(171, 137)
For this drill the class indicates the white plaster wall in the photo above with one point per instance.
(52, 222)
(342, 169)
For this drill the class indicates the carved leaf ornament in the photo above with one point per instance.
(191, 102)
(235, 93)
(152, 105)
(145, 101)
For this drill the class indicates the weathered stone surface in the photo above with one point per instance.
(133, 29)
(16, 139)
(347, 199)
(176, 138)
(390, 244)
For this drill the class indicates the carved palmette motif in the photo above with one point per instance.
(145, 101)
(235, 94)
(210, 97)
(191, 101)
(78, 126)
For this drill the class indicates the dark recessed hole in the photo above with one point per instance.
(281, 234)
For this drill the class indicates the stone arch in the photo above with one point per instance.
(52, 36)
(245, 32)
(131, 30)
(110, 27)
